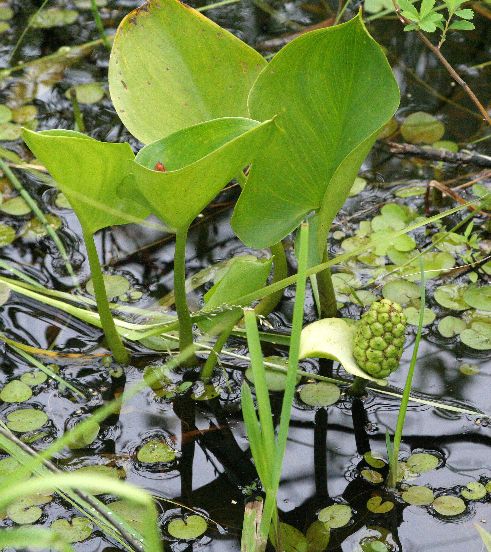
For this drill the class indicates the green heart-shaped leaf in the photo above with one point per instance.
(171, 68)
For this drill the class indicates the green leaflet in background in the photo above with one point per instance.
(171, 68)
(331, 91)
(199, 162)
(88, 172)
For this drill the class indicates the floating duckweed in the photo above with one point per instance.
(26, 510)
(335, 516)
(372, 476)
(468, 369)
(478, 336)
(156, 450)
(450, 326)
(374, 460)
(422, 462)
(377, 505)
(447, 505)
(451, 297)
(15, 392)
(478, 297)
(26, 419)
(412, 315)
(188, 528)
(474, 491)
(320, 394)
(401, 291)
(418, 496)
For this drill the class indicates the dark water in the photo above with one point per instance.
(324, 455)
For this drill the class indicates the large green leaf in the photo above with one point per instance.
(171, 68)
(331, 91)
(88, 172)
(199, 162)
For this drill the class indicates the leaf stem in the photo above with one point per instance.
(185, 322)
(112, 336)
(99, 24)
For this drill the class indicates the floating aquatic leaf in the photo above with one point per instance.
(450, 296)
(88, 437)
(358, 186)
(132, 513)
(336, 515)
(291, 539)
(478, 336)
(15, 392)
(76, 529)
(26, 510)
(53, 17)
(378, 506)
(469, 369)
(188, 528)
(418, 496)
(422, 462)
(474, 491)
(435, 264)
(422, 128)
(450, 241)
(363, 297)
(374, 459)
(374, 546)
(412, 315)
(411, 191)
(7, 235)
(62, 202)
(447, 505)
(372, 476)
(160, 342)
(24, 114)
(35, 228)
(478, 297)
(5, 114)
(116, 285)
(401, 291)
(318, 536)
(275, 380)
(10, 131)
(156, 450)
(101, 469)
(4, 294)
(87, 93)
(4, 26)
(36, 377)
(450, 326)
(16, 206)
(320, 394)
(26, 419)
(205, 392)
(332, 338)
(6, 13)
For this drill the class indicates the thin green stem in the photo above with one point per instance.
(112, 336)
(26, 30)
(358, 387)
(327, 295)
(401, 418)
(77, 113)
(41, 217)
(182, 308)
(280, 271)
(212, 359)
(99, 24)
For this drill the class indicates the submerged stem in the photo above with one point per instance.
(213, 357)
(327, 296)
(112, 336)
(185, 322)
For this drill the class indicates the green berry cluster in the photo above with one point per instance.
(379, 338)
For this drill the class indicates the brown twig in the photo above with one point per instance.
(455, 196)
(461, 158)
(443, 60)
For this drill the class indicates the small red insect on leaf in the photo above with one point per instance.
(159, 167)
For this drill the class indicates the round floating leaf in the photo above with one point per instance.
(205, 392)
(418, 496)
(446, 145)
(24, 114)
(422, 128)
(401, 291)
(132, 513)
(53, 17)
(35, 228)
(88, 93)
(378, 506)
(16, 206)
(4, 294)
(36, 377)
(478, 297)
(15, 392)
(275, 380)
(156, 450)
(317, 536)
(4, 26)
(9, 131)
(62, 202)
(335, 516)
(108, 471)
(374, 546)
(478, 336)
(115, 284)
(5, 113)
(26, 510)
(450, 326)
(6, 13)
(451, 297)
(88, 436)
(412, 315)
(358, 186)
(320, 394)
(469, 369)
(422, 462)
(474, 491)
(26, 419)
(75, 530)
(188, 528)
(411, 191)
(447, 505)
(7, 235)
(374, 459)
(372, 476)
